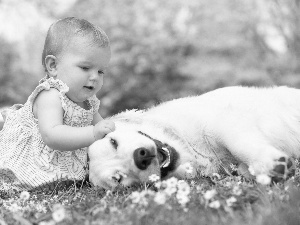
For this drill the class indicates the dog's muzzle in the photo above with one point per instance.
(166, 155)
(142, 158)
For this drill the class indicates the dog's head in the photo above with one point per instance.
(128, 156)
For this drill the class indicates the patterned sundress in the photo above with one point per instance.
(26, 162)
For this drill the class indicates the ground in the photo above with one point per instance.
(204, 200)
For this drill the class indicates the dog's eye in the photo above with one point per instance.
(114, 143)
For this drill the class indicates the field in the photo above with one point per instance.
(213, 200)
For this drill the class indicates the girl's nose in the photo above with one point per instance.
(94, 75)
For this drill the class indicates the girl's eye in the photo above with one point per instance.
(114, 143)
(84, 68)
(100, 72)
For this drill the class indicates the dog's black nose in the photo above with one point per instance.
(142, 158)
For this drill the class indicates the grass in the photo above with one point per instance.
(230, 200)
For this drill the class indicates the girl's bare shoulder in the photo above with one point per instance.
(45, 99)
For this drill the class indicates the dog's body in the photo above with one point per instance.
(236, 125)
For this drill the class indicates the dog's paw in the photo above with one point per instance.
(283, 169)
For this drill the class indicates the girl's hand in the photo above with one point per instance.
(102, 128)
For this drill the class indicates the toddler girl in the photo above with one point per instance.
(46, 139)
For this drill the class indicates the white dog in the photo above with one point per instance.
(255, 127)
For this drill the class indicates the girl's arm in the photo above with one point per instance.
(102, 126)
(57, 136)
(97, 118)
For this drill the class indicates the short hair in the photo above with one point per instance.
(62, 31)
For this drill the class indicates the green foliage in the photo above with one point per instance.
(167, 49)
(147, 51)
(164, 50)
(230, 200)
(12, 78)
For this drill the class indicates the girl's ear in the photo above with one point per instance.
(51, 65)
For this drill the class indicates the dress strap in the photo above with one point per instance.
(47, 83)
(95, 103)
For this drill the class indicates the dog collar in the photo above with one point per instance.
(172, 155)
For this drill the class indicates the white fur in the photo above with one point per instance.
(255, 126)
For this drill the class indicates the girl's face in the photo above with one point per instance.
(81, 66)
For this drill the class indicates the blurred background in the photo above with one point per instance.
(160, 49)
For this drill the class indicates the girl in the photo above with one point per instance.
(46, 139)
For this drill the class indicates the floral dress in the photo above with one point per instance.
(26, 161)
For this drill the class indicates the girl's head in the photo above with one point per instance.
(77, 52)
(62, 32)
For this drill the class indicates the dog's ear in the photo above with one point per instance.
(129, 116)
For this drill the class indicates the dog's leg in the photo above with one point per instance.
(260, 156)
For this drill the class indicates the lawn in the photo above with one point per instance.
(206, 200)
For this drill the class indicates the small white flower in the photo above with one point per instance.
(228, 184)
(263, 179)
(108, 193)
(143, 198)
(103, 204)
(230, 201)
(160, 198)
(183, 192)
(59, 213)
(154, 178)
(43, 223)
(172, 182)
(57, 207)
(40, 208)
(169, 190)
(188, 168)
(210, 194)
(237, 190)
(251, 171)
(24, 195)
(233, 167)
(50, 222)
(183, 187)
(193, 183)
(182, 198)
(148, 193)
(216, 175)
(170, 185)
(14, 207)
(135, 197)
(215, 204)
(113, 209)
(158, 184)
(199, 188)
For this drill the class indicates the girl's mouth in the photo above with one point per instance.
(89, 87)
